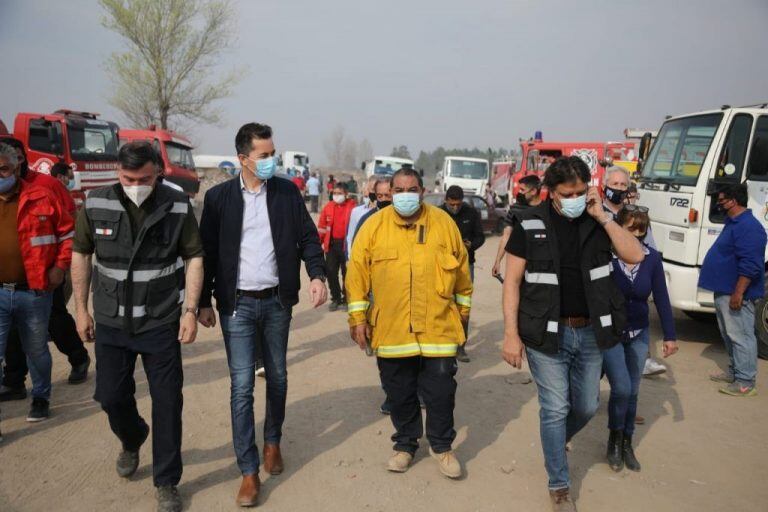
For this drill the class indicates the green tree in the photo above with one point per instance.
(400, 152)
(173, 49)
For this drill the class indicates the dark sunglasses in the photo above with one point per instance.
(635, 208)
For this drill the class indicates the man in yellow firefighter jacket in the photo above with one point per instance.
(409, 292)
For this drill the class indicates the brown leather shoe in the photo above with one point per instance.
(273, 461)
(561, 501)
(249, 491)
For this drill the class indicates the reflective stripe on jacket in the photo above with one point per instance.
(45, 233)
(419, 277)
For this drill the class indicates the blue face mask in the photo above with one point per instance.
(7, 184)
(573, 207)
(265, 168)
(71, 184)
(406, 203)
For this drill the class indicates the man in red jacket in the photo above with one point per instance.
(35, 252)
(332, 227)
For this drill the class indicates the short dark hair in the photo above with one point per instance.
(532, 181)
(566, 169)
(248, 132)
(340, 185)
(454, 192)
(738, 193)
(19, 146)
(640, 219)
(136, 154)
(408, 171)
(59, 169)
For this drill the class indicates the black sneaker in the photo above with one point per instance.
(168, 499)
(385, 408)
(79, 373)
(461, 354)
(8, 394)
(343, 306)
(40, 410)
(128, 462)
(333, 306)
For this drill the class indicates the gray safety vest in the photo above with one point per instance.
(138, 279)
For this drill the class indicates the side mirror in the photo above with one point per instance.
(645, 146)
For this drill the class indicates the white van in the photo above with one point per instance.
(471, 174)
(385, 165)
(693, 155)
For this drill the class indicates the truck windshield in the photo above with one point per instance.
(468, 169)
(300, 160)
(179, 155)
(680, 149)
(388, 167)
(92, 140)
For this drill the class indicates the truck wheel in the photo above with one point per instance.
(701, 316)
(761, 328)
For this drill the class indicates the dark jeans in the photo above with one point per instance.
(61, 328)
(623, 364)
(335, 259)
(29, 312)
(313, 202)
(115, 389)
(404, 379)
(256, 323)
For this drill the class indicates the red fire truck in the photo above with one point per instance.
(536, 155)
(87, 144)
(176, 152)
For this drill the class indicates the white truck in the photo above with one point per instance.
(384, 165)
(694, 155)
(294, 161)
(471, 174)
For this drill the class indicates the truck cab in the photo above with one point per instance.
(295, 163)
(176, 152)
(385, 165)
(87, 144)
(693, 155)
(471, 174)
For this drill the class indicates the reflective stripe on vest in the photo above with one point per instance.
(140, 311)
(541, 277)
(140, 276)
(532, 224)
(600, 272)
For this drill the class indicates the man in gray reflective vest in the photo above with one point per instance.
(143, 234)
(562, 306)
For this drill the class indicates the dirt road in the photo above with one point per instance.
(700, 450)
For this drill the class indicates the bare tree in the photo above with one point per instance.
(173, 48)
(334, 148)
(349, 154)
(364, 151)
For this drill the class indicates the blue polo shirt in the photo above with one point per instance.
(738, 251)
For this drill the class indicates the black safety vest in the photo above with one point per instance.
(539, 309)
(138, 281)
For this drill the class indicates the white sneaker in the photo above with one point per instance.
(653, 367)
(260, 372)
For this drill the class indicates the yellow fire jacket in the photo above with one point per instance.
(410, 283)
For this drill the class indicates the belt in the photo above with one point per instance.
(574, 321)
(258, 294)
(22, 287)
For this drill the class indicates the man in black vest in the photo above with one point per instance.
(143, 235)
(562, 306)
(256, 230)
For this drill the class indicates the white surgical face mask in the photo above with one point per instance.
(339, 198)
(137, 193)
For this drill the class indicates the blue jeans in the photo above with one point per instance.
(569, 390)
(738, 331)
(623, 365)
(256, 322)
(29, 311)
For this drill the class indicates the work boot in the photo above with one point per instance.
(40, 410)
(8, 394)
(79, 373)
(168, 499)
(461, 354)
(722, 377)
(128, 461)
(385, 408)
(273, 460)
(629, 454)
(614, 451)
(561, 500)
(399, 462)
(248, 494)
(448, 463)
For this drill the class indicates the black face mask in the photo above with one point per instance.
(521, 199)
(614, 195)
(382, 204)
(372, 197)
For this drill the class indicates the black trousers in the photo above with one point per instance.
(335, 259)
(63, 331)
(313, 202)
(115, 389)
(404, 379)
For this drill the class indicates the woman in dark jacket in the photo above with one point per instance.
(624, 362)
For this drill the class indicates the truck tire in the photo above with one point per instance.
(499, 227)
(761, 328)
(701, 316)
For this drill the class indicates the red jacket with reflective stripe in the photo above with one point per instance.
(45, 233)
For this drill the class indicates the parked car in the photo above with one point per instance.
(492, 217)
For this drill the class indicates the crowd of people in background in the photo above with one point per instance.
(578, 265)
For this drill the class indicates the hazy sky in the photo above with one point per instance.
(422, 72)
